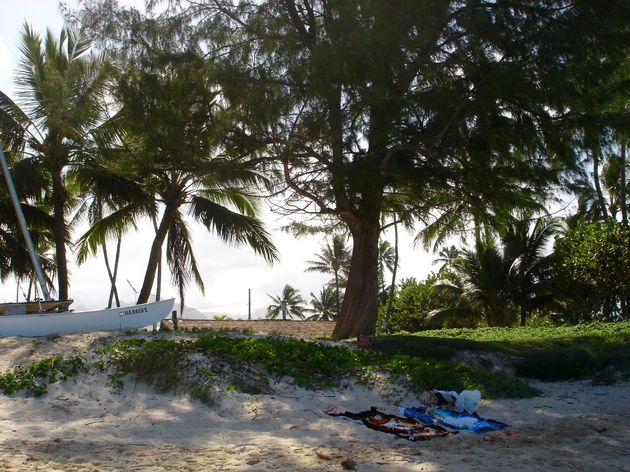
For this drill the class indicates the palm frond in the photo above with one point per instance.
(234, 228)
(180, 256)
(14, 124)
(112, 225)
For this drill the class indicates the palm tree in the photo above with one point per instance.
(386, 260)
(334, 259)
(492, 282)
(14, 257)
(526, 246)
(324, 305)
(288, 304)
(175, 164)
(446, 256)
(480, 287)
(60, 91)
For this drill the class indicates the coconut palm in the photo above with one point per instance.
(176, 166)
(386, 260)
(527, 247)
(493, 282)
(480, 288)
(334, 259)
(289, 304)
(60, 102)
(324, 305)
(14, 257)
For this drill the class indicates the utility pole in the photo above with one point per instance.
(249, 304)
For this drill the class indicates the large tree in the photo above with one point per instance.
(464, 108)
(59, 104)
(447, 101)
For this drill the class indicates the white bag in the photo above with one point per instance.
(468, 401)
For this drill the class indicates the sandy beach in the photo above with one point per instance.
(83, 425)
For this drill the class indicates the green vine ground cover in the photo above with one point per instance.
(417, 362)
(312, 365)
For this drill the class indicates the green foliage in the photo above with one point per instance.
(324, 306)
(538, 336)
(311, 364)
(499, 283)
(594, 266)
(573, 362)
(413, 303)
(427, 374)
(546, 353)
(35, 377)
(156, 362)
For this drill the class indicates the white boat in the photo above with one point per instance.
(50, 316)
(111, 319)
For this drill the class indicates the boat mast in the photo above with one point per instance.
(23, 227)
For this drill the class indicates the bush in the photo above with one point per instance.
(594, 268)
(412, 304)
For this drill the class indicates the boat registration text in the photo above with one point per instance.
(133, 311)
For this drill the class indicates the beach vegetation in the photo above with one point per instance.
(593, 261)
(34, 378)
(550, 353)
(247, 364)
(412, 304)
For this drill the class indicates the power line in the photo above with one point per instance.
(219, 306)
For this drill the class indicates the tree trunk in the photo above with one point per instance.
(113, 292)
(523, 316)
(156, 252)
(337, 294)
(624, 217)
(59, 232)
(360, 304)
(623, 185)
(390, 303)
(158, 290)
(598, 188)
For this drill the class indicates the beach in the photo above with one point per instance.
(85, 425)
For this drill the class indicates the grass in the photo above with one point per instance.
(597, 350)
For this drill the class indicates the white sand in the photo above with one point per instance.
(81, 425)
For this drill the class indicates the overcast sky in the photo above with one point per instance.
(228, 272)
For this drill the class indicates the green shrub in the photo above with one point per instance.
(412, 304)
(35, 378)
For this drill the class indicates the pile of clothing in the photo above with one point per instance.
(440, 413)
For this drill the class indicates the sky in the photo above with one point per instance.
(228, 272)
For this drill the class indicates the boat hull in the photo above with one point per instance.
(113, 319)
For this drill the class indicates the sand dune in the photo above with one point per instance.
(82, 425)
